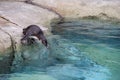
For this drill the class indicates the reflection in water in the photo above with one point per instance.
(79, 50)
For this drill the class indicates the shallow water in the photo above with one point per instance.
(79, 50)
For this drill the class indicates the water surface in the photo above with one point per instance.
(79, 50)
(99, 40)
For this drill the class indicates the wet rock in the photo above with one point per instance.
(4, 38)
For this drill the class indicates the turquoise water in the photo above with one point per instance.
(99, 40)
(79, 50)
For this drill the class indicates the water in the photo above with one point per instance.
(79, 50)
(99, 40)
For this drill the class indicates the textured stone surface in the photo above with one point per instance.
(25, 14)
(4, 38)
(14, 16)
(80, 8)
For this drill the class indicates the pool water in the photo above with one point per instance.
(99, 40)
(79, 50)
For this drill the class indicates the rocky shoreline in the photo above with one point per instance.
(18, 14)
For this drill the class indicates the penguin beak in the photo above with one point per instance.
(45, 43)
